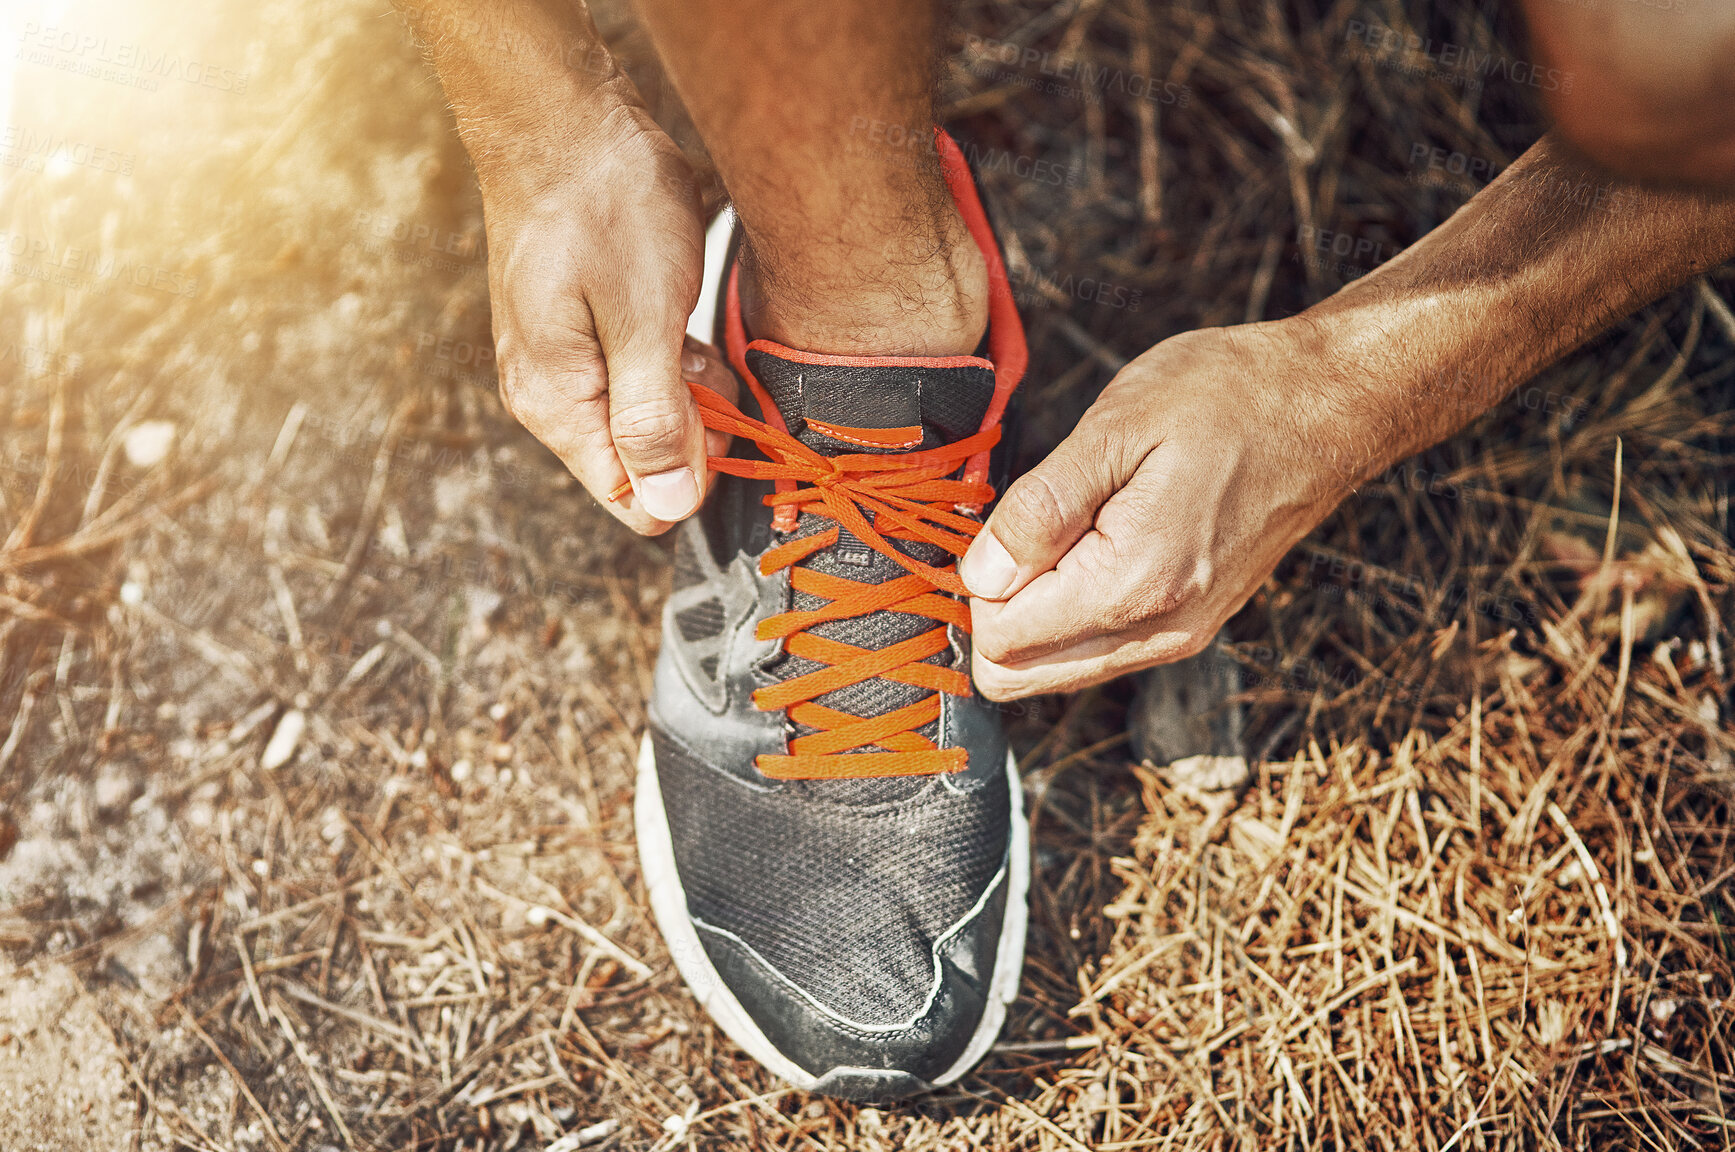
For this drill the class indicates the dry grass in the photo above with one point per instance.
(316, 735)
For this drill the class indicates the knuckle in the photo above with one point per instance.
(1125, 615)
(648, 428)
(515, 391)
(990, 642)
(1136, 508)
(1152, 587)
(1113, 587)
(1194, 642)
(1030, 509)
(534, 378)
(1152, 599)
(994, 650)
(995, 682)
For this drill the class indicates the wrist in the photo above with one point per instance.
(484, 48)
(1321, 394)
(1387, 378)
(565, 145)
(533, 87)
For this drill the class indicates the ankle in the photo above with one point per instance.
(876, 298)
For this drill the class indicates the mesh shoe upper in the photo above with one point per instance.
(847, 902)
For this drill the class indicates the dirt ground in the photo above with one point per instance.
(321, 682)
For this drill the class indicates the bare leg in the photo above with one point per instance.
(1646, 90)
(819, 118)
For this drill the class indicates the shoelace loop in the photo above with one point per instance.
(911, 497)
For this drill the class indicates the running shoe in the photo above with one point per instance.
(829, 818)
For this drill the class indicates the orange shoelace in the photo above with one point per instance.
(910, 498)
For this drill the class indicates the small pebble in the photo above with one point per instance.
(146, 444)
(284, 740)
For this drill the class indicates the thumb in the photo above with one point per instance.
(1043, 514)
(653, 421)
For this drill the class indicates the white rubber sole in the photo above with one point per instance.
(669, 905)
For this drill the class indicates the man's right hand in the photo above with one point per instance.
(592, 278)
(596, 250)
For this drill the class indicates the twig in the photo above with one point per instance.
(313, 1075)
(240, 1083)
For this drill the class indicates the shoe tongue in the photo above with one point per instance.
(842, 405)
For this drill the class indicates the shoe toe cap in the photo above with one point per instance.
(887, 1055)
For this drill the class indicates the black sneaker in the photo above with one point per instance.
(829, 818)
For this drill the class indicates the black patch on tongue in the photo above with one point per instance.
(948, 404)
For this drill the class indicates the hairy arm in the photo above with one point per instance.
(1545, 257)
(521, 76)
(595, 248)
(1215, 452)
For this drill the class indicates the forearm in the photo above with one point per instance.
(527, 79)
(1542, 259)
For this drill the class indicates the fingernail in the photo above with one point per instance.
(669, 495)
(988, 570)
(692, 362)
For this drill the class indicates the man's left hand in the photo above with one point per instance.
(1201, 464)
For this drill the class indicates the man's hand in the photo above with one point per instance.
(1200, 465)
(596, 249)
(592, 278)
(1212, 454)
